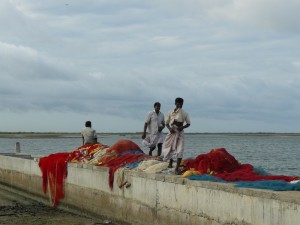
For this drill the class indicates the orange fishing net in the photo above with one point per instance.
(85, 153)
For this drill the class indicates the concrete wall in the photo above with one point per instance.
(157, 199)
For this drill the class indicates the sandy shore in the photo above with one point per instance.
(19, 210)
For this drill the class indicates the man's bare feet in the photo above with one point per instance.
(178, 172)
(170, 164)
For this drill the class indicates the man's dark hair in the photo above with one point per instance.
(156, 104)
(179, 100)
(88, 124)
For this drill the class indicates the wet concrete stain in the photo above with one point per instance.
(16, 209)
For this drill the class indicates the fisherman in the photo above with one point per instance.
(176, 121)
(154, 124)
(89, 135)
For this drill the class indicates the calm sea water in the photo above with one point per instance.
(276, 154)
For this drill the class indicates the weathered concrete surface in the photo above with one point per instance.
(17, 209)
(158, 199)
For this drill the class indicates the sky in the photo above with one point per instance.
(236, 64)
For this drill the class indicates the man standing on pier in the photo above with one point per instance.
(154, 124)
(176, 121)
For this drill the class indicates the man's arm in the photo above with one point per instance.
(167, 123)
(187, 121)
(145, 128)
(162, 127)
(95, 137)
(95, 140)
(148, 118)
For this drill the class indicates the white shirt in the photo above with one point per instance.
(179, 115)
(154, 121)
(88, 135)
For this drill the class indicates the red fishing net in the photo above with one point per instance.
(54, 171)
(219, 163)
(54, 166)
(122, 153)
(217, 160)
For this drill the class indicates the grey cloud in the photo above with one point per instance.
(274, 15)
(118, 59)
(26, 63)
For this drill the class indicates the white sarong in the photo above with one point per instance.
(173, 146)
(153, 139)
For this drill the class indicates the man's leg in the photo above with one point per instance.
(177, 171)
(179, 151)
(170, 163)
(151, 150)
(159, 147)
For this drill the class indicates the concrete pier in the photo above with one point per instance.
(156, 199)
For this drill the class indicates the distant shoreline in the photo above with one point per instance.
(77, 134)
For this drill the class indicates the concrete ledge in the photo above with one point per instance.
(18, 155)
(157, 199)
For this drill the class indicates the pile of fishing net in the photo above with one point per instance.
(124, 153)
(219, 165)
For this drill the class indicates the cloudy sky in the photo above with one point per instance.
(236, 64)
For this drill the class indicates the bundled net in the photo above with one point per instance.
(216, 161)
(86, 153)
(121, 154)
(218, 165)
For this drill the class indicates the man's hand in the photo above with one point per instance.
(180, 128)
(172, 130)
(144, 135)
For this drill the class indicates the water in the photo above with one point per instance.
(276, 154)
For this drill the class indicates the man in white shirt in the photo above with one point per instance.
(89, 135)
(154, 125)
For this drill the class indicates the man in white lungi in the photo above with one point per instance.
(176, 121)
(154, 124)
